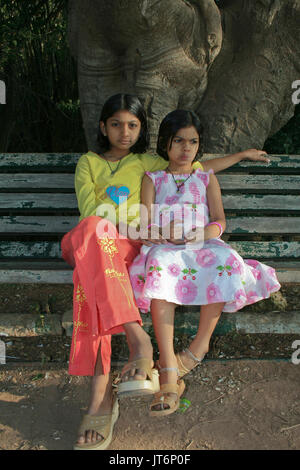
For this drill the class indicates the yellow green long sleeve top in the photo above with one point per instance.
(96, 186)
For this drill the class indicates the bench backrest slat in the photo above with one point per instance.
(238, 202)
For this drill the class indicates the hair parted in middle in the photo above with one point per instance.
(170, 125)
(125, 102)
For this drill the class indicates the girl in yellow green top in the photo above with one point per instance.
(103, 301)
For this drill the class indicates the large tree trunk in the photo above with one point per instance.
(167, 52)
(249, 93)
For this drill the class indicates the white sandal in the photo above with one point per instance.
(133, 388)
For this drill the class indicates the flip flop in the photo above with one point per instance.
(103, 425)
(133, 388)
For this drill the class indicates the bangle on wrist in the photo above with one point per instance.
(219, 225)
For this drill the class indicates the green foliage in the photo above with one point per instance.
(42, 113)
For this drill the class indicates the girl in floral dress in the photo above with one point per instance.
(195, 267)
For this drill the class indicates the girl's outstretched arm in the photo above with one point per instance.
(216, 210)
(221, 163)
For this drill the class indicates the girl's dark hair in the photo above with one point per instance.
(129, 103)
(170, 125)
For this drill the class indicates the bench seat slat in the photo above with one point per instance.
(247, 249)
(60, 273)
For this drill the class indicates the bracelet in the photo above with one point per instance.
(219, 225)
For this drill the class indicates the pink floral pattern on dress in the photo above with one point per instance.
(240, 298)
(213, 294)
(172, 200)
(256, 273)
(236, 266)
(195, 191)
(154, 263)
(206, 257)
(153, 282)
(143, 303)
(252, 297)
(185, 291)
(174, 270)
(271, 272)
(193, 276)
(252, 262)
(204, 177)
(137, 282)
(158, 183)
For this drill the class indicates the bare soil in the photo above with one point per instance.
(245, 395)
(235, 405)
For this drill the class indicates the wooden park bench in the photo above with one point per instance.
(38, 206)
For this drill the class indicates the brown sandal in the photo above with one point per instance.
(103, 425)
(162, 398)
(182, 369)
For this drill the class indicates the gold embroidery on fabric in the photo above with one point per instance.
(108, 245)
(113, 273)
(80, 299)
(80, 295)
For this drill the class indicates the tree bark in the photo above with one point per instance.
(234, 66)
(249, 92)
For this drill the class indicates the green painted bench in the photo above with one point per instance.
(38, 205)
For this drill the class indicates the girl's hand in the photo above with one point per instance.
(176, 232)
(255, 155)
(195, 236)
(154, 236)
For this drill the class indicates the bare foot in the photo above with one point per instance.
(140, 346)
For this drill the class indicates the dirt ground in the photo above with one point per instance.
(235, 405)
(244, 396)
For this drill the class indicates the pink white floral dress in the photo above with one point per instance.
(213, 273)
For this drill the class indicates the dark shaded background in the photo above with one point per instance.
(42, 110)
